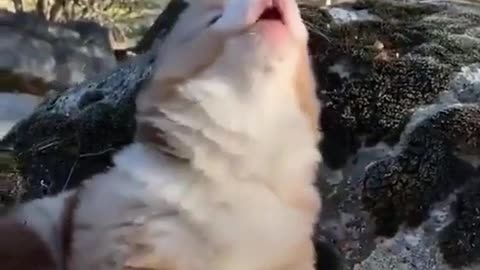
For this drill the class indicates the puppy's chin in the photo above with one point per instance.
(22, 249)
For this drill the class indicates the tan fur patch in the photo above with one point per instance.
(145, 257)
(305, 91)
(304, 199)
(303, 258)
(147, 133)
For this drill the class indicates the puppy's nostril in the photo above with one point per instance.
(214, 20)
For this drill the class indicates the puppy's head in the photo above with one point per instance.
(229, 68)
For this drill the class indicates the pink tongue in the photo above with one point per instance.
(274, 32)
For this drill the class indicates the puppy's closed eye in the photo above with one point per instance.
(214, 19)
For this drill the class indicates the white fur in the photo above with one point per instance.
(45, 217)
(248, 151)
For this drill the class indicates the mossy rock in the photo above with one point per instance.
(373, 73)
(23, 83)
(72, 136)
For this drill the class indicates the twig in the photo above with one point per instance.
(102, 152)
(72, 169)
(47, 145)
(316, 30)
(70, 174)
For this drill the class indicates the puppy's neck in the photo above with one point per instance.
(222, 134)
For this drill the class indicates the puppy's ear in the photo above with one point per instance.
(22, 249)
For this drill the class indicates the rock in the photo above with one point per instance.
(401, 138)
(14, 107)
(459, 241)
(370, 94)
(37, 55)
(436, 158)
(401, 130)
(71, 136)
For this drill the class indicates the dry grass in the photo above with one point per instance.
(129, 22)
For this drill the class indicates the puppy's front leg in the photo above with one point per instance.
(22, 249)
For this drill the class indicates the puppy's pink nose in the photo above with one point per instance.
(238, 15)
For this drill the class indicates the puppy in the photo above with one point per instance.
(220, 176)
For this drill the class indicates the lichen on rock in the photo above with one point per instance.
(72, 136)
(431, 163)
(459, 241)
(375, 72)
(400, 93)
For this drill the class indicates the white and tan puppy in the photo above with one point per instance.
(221, 174)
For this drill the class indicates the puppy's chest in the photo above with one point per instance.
(226, 226)
(241, 227)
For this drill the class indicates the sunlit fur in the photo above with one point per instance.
(231, 185)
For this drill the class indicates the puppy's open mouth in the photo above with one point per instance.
(271, 14)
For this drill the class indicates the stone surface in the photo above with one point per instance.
(14, 107)
(399, 82)
(37, 55)
(72, 135)
(400, 88)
